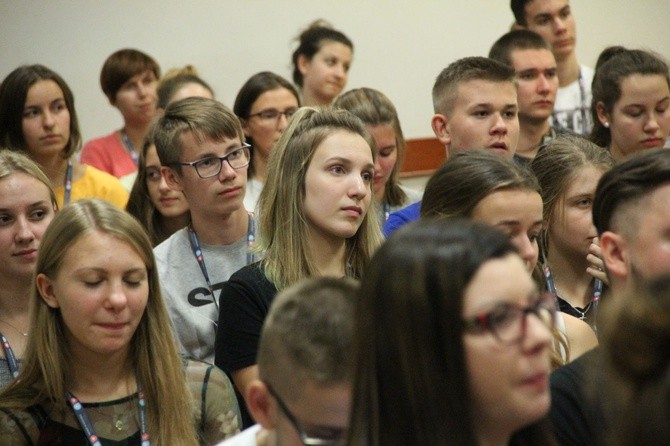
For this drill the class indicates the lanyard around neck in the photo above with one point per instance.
(12, 363)
(197, 252)
(129, 146)
(86, 425)
(67, 184)
(596, 293)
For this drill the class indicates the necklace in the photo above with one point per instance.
(25, 334)
(120, 418)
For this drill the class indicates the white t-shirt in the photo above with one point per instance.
(572, 109)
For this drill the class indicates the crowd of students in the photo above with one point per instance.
(204, 270)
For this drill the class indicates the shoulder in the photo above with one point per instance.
(249, 281)
(99, 144)
(103, 185)
(401, 217)
(581, 337)
(18, 427)
(245, 438)
(174, 243)
(413, 195)
(587, 74)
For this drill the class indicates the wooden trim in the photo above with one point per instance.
(422, 157)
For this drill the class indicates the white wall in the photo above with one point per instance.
(400, 45)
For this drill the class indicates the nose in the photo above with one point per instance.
(651, 124)
(227, 172)
(543, 85)
(528, 250)
(499, 126)
(537, 334)
(24, 232)
(359, 188)
(117, 298)
(559, 25)
(340, 71)
(282, 122)
(48, 119)
(162, 184)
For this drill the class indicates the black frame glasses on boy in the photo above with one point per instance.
(509, 322)
(211, 166)
(335, 435)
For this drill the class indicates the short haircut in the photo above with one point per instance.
(461, 183)
(519, 10)
(614, 65)
(13, 94)
(464, 70)
(521, 39)
(206, 119)
(626, 185)
(308, 335)
(310, 42)
(121, 66)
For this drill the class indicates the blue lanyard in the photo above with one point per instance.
(11, 358)
(87, 426)
(197, 252)
(129, 146)
(67, 185)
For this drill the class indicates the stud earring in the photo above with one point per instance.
(606, 124)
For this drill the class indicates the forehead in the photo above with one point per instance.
(192, 147)
(641, 88)
(331, 48)
(477, 91)
(45, 89)
(583, 180)
(512, 282)
(19, 188)
(278, 98)
(539, 59)
(346, 145)
(523, 206)
(536, 7)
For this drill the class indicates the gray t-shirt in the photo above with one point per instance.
(187, 297)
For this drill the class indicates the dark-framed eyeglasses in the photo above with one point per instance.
(330, 437)
(508, 322)
(212, 165)
(272, 114)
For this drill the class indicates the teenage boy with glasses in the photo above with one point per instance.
(200, 144)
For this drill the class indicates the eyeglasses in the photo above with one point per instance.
(273, 114)
(212, 165)
(508, 322)
(331, 437)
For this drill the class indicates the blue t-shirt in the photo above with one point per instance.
(401, 218)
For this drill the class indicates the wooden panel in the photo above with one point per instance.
(422, 157)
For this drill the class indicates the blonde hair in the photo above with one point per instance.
(281, 204)
(47, 368)
(12, 162)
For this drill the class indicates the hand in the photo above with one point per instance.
(595, 258)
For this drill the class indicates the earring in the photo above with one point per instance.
(606, 124)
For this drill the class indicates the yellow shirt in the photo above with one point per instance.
(95, 183)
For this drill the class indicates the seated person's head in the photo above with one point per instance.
(191, 137)
(305, 362)
(490, 189)
(552, 19)
(129, 69)
(475, 105)
(631, 211)
(535, 67)
(182, 83)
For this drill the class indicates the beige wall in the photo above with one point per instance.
(401, 45)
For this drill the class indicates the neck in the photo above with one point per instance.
(54, 167)
(136, 133)
(221, 230)
(571, 279)
(97, 377)
(568, 70)
(171, 225)
(530, 136)
(494, 437)
(616, 153)
(311, 100)
(327, 254)
(260, 167)
(15, 297)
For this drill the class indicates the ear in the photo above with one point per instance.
(245, 126)
(259, 403)
(303, 64)
(615, 255)
(439, 122)
(603, 116)
(172, 179)
(46, 289)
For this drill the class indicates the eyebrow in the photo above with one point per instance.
(31, 205)
(346, 161)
